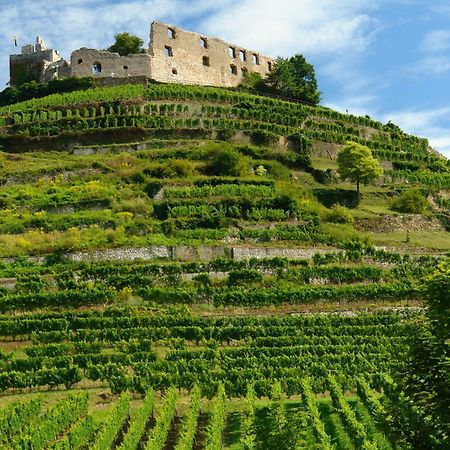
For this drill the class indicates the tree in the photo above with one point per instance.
(356, 163)
(294, 77)
(127, 44)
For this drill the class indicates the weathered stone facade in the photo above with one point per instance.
(36, 62)
(180, 56)
(87, 62)
(174, 56)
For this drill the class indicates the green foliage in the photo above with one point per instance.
(356, 163)
(339, 214)
(126, 44)
(295, 78)
(213, 438)
(410, 201)
(113, 424)
(158, 434)
(303, 147)
(425, 376)
(138, 424)
(228, 162)
(33, 89)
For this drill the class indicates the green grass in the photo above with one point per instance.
(427, 241)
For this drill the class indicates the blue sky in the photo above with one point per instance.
(386, 58)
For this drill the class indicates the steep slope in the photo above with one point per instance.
(173, 236)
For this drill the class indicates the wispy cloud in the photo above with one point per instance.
(295, 26)
(432, 123)
(434, 66)
(436, 41)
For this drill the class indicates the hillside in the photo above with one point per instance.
(160, 238)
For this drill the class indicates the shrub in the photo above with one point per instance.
(182, 167)
(302, 147)
(330, 197)
(225, 135)
(228, 161)
(266, 138)
(339, 214)
(410, 201)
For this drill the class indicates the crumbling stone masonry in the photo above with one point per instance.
(38, 63)
(174, 56)
(180, 56)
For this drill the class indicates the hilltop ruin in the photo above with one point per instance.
(173, 56)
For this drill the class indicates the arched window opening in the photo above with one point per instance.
(96, 68)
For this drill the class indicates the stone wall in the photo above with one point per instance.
(193, 253)
(180, 56)
(30, 66)
(174, 56)
(87, 62)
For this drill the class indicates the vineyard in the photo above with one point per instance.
(183, 268)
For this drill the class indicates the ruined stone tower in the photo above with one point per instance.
(36, 63)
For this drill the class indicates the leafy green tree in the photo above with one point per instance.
(356, 163)
(294, 77)
(127, 44)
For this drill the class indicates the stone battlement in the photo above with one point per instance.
(173, 56)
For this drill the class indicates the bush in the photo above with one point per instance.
(264, 138)
(410, 201)
(302, 147)
(339, 214)
(182, 167)
(228, 161)
(330, 197)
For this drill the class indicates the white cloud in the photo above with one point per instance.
(284, 27)
(435, 66)
(359, 105)
(433, 124)
(69, 24)
(436, 41)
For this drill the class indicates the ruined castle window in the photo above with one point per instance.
(269, 66)
(242, 55)
(80, 61)
(233, 69)
(232, 52)
(255, 59)
(125, 67)
(244, 72)
(205, 61)
(168, 51)
(204, 42)
(174, 71)
(96, 68)
(171, 33)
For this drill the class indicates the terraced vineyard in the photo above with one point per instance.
(187, 264)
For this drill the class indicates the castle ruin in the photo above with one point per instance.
(173, 56)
